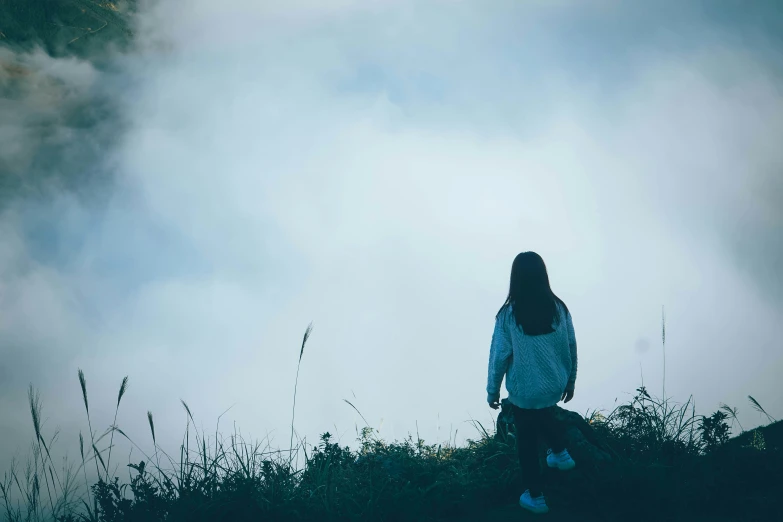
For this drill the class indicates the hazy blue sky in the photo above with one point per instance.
(375, 167)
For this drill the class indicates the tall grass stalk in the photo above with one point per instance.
(307, 333)
(759, 409)
(60, 488)
(123, 388)
(83, 385)
(41, 449)
(663, 341)
(84, 465)
(35, 408)
(732, 414)
(367, 424)
(154, 441)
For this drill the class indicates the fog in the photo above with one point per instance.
(374, 167)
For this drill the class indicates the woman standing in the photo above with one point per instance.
(534, 347)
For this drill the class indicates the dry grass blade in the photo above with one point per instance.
(123, 389)
(84, 464)
(154, 440)
(731, 413)
(759, 409)
(663, 325)
(476, 424)
(152, 427)
(187, 409)
(118, 430)
(306, 336)
(663, 341)
(103, 435)
(35, 410)
(90, 515)
(83, 384)
(99, 457)
(357, 411)
(307, 333)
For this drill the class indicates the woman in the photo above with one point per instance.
(534, 347)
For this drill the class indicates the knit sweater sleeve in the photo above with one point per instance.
(500, 352)
(572, 348)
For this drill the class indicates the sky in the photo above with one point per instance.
(374, 167)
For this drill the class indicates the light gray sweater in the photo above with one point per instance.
(538, 368)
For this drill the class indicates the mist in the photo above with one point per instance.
(374, 168)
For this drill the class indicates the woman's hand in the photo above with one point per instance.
(567, 395)
(494, 405)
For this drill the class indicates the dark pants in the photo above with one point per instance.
(530, 425)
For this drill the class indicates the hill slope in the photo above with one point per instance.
(83, 28)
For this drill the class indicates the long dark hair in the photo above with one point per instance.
(530, 297)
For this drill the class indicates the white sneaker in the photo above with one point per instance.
(535, 505)
(561, 461)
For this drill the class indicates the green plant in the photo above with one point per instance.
(714, 431)
(649, 429)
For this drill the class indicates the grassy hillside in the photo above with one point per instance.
(83, 28)
(667, 463)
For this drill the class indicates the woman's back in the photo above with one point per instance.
(533, 344)
(538, 368)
